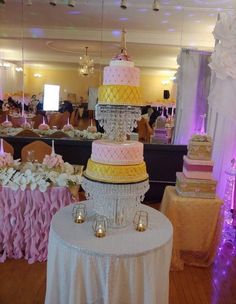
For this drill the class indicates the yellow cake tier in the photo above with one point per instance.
(119, 95)
(116, 174)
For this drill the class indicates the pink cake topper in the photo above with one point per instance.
(123, 49)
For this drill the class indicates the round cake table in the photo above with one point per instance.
(125, 266)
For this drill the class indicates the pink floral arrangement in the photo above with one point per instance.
(53, 161)
(6, 160)
(44, 127)
(6, 123)
(68, 127)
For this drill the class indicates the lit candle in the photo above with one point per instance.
(100, 232)
(91, 122)
(43, 120)
(79, 219)
(141, 227)
(68, 121)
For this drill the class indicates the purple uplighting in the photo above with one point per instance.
(73, 12)
(123, 19)
(178, 8)
(37, 32)
(116, 33)
(171, 30)
(167, 14)
(164, 21)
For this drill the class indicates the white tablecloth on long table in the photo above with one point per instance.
(125, 267)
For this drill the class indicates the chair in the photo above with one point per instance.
(58, 134)
(7, 147)
(27, 133)
(55, 120)
(64, 119)
(72, 118)
(144, 130)
(38, 119)
(40, 149)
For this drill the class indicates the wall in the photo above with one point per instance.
(71, 82)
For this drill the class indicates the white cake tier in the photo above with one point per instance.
(121, 75)
(123, 63)
(200, 169)
(108, 152)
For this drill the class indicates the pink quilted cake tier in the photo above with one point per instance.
(122, 63)
(201, 169)
(107, 152)
(121, 75)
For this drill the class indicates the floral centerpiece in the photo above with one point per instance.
(68, 127)
(6, 159)
(43, 126)
(53, 161)
(6, 123)
(92, 128)
(26, 124)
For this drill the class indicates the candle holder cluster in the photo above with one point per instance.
(100, 222)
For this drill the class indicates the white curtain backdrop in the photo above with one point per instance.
(193, 82)
(92, 98)
(10, 80)
(222, 98)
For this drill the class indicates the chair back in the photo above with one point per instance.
(72, 118)
(59, 134)
(27, 133)
(7, 147)
(38, 120)
(144, 130)
(64, 119)
(40, 149)
(55, 120)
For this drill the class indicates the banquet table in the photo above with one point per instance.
(197, 224)
(25, 218)
(125, 266)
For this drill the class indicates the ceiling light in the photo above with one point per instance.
(86, 64)
(123, 4)
(19, 69)
(72, 3)
(156, 5)
(53, 2)
(5, 65)
(37, 75)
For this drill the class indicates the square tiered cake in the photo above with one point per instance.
(196, 178)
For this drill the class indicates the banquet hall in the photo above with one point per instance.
(82, 83)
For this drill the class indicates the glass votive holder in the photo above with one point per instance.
(100, 226)
(79, 213)
(141, 220)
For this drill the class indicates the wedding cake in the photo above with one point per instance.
(116, 177)
(196, 179)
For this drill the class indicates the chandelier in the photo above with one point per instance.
(86, 64)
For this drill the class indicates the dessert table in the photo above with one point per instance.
(125, 266)
(197, 226)
(25, 217)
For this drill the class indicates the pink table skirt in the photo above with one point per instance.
(25, 218)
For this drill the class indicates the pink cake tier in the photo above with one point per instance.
(201, 169)
(107, 152)
(121, 75)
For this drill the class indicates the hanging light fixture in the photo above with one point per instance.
(123, 4)
(156, 5)
(86, 64)
(53, 2)
(71, 3)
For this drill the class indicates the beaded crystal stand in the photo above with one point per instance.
(117, 121)
(118, 202)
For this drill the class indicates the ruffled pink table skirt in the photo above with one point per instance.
(25, 218)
